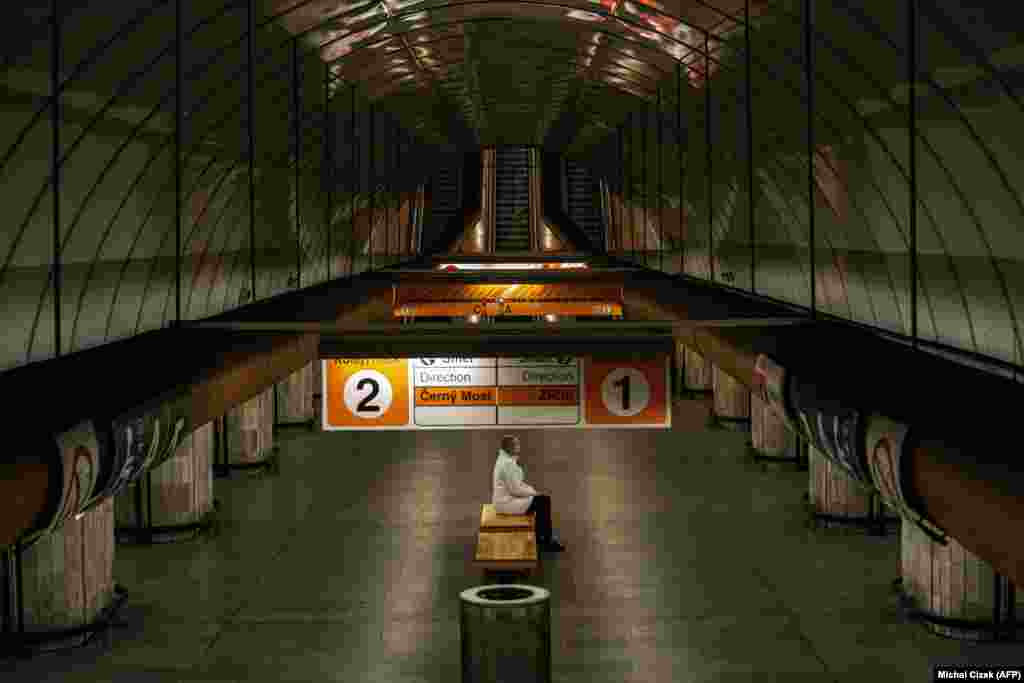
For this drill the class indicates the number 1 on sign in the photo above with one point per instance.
(624, 383)
(625, 392)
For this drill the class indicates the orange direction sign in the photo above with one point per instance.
(493, 393)
(628, 392)
(555, 395)
(539, 391)
(454, 396)
(453, 392)
(366, 393)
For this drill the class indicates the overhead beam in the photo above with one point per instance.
(489, 345)
(620, 329)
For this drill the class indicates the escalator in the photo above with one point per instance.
(512, 199)
(445, 202)
(583, 202)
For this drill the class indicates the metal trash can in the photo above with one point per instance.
(506, 634)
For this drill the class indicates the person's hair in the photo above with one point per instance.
(507, 441)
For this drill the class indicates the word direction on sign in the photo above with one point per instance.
(539, 391)
(455, 391)
(482, 393)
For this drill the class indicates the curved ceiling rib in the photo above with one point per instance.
(398, 66)
(497, 63)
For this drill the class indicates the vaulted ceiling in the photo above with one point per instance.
(491, 72)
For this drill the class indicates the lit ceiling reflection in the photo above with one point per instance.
(352, 23)
(462, 51)
(559, 265)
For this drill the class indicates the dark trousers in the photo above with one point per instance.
(541, 505)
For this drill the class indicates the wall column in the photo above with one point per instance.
(174, 500)
(696, 374)
(60, 588)
(731, 407)
(294, 397)
(770, 440)
(837, 500)
(247, 435)
(954, 592)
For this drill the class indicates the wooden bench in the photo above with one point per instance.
(506, 551)
(495, 521)
(506, 543)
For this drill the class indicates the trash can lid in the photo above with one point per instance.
(505, 594)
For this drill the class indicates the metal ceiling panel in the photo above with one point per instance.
(508, 69)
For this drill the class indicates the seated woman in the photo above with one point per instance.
(513, 496)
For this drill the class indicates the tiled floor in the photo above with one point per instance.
(686, 562)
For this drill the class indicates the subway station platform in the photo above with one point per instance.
(686, 561)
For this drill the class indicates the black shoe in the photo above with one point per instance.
(552, 546)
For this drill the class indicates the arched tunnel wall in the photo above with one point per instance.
(963, 239)
(115, 146)
(117, 172)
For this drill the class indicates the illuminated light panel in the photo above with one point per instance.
(495, 309)
(551, 243)
(583, 15)
(566, 265)
(359, 18)
(663, 24)
(634, 64)
(649, 35)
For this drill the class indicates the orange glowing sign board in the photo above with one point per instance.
(462, 300)
(555, 265)
(456, 309)
(495, 393)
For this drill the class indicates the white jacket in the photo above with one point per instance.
(511, 494)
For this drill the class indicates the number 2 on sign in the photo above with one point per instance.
(364, 405)
(368, 394)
